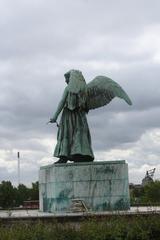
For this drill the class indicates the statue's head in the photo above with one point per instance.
(67, 76)
(75, 75)
(76, 84)
(75, 81)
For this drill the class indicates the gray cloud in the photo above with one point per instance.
(41, 40)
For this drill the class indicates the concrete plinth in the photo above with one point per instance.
(102, 186)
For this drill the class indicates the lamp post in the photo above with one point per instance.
(18, 157)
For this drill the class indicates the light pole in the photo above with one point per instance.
(18, 157)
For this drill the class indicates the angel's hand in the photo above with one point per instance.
(87, 110)
(52, 120)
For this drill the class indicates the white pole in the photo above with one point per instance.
(18, 156)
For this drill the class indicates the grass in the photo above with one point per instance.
(113, 228)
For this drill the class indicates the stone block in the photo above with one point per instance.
(102, 186)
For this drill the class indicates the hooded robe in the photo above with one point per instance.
(73, 138)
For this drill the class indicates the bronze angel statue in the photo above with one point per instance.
(73, 138)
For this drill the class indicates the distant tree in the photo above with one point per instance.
(15, 196)
(148, 194)
(23, 193)
(34, 191)
(152, 192)
(7, 194)
(136, 194)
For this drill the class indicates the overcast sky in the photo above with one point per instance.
(41, 40)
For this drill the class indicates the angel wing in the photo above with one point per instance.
(101, 90)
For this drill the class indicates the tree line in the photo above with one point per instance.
(145, 195)
(11, 196)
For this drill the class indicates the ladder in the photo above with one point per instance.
(78, 205)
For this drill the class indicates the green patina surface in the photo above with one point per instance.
(73, 137)
(101, 185)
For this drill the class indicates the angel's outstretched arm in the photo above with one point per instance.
(60, 106)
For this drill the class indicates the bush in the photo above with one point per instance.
(110, 228)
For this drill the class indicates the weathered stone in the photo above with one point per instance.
(101, 186)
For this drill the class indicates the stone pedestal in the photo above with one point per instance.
(101, 186)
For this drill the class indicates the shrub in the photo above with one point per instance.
(110, 228)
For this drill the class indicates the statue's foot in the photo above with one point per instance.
(61, 160)
(82, 158)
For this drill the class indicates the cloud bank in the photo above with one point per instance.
(40, 41)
